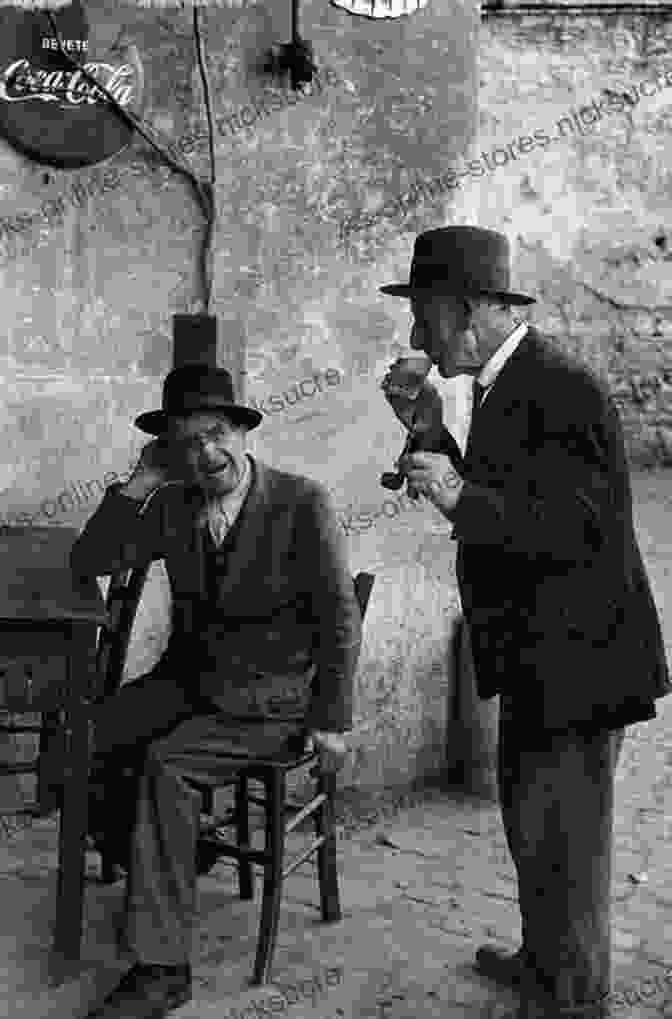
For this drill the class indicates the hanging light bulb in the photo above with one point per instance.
(380, 8)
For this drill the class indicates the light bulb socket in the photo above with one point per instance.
(293, 60)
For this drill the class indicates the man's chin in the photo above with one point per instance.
(454, 371)
(450, 372)
(221, 487)
(221, 482)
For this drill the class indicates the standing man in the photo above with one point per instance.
(554, 590)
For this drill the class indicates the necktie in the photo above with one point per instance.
(218, 523)
(479, 393)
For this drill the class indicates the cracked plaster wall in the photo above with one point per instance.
(87, 305)
(589, 213)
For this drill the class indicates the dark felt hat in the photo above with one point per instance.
(193, 388)
(196, 383)
(460, 261)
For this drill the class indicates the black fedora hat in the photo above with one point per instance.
(197, 387)
(460, 261)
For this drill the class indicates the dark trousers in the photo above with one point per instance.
(169, 739)
(557, 809)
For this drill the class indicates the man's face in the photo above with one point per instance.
(443, 328)
(212, 448)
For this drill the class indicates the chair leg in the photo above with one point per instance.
(50, 763)
(208, 794)
(245, 870)
(275, 784)
(327, 871)
(71, 845)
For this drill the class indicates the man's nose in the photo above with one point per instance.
(417, 337)
(207, 453)
(212, 445)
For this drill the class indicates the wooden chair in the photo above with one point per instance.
(281, 815)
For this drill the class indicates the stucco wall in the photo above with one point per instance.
(587, 205)
(88, 299)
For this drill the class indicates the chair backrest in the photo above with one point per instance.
(121, 603)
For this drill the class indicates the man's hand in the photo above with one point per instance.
(332, 749)
(424, 414)
(433, 475)
(156, 465)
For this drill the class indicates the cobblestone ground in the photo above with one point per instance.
(422, 886)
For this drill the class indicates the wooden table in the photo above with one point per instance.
(48, 628)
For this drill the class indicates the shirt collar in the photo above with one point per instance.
(493, 367)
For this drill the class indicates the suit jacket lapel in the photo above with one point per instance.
(511, 386)
(186, 540)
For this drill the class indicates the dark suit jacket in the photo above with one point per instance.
(551, 577)
(284, 620)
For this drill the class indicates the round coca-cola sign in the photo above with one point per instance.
(49, 109)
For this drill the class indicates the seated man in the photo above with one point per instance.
(265, 639)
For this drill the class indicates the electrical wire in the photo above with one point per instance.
(203, 190)
(296, 38)
(205, 253)
(200, 52)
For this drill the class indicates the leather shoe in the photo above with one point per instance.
(147, 992)
(500, 966)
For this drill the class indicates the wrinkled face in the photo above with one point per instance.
(212, 449)
(459, 334)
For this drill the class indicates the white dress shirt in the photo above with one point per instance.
(493, 367)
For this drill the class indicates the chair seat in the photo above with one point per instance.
(285, 761)
(255, 767)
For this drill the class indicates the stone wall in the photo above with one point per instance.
(574, 154)
(90, 284)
